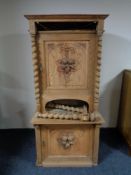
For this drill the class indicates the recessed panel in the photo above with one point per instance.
(65, 141)
(66, 63)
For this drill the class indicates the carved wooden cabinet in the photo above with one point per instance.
(66, 51)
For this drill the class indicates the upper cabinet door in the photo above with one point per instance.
(68, 60)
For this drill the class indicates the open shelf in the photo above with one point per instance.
(55, 26)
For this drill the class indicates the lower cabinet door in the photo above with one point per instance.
(67, 145)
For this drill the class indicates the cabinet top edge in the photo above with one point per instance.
(68, 17)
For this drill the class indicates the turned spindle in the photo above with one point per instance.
(69, 108)
(36, 71)
(97, 77)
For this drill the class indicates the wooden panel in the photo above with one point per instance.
(62, 17)
(80, 148)
(66, 162)
(38, 144)
(96, 144)
(82, 141)
(66, 58)
(67, 63)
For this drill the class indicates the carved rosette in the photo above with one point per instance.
(97, 77)
(36, 71)
(67, 65)
(66, 140)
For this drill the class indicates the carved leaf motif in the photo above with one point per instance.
(66, 64)
(66, 141)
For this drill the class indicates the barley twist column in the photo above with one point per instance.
(36, 71)
(97, 76)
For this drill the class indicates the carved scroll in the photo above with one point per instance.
(97, 76)
(36, 71)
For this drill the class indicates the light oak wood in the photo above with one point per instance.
(40, 121)
(97, 76)
(85, 57)
(36, 71)
(84, 149)
(68, 17)
(79, 148)
(38, 143)
(94, 118)
(96, 144)
(66, 52)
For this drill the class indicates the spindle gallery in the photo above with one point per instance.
(66, 53)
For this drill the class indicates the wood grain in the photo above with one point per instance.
(36, 71)
(68, 17)
(97, 74)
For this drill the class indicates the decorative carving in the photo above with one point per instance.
(58, 111)
(71, 71)
(92, 117)
(66, 140)
(36, 71)
(66, 65)
(97, 78)
(69, 108)
(65, 62)
(73, 116)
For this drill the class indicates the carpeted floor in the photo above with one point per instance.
(17, 155)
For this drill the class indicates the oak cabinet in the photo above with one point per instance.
(66, 53)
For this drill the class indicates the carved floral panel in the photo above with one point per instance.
(73, 141)
(66, 63)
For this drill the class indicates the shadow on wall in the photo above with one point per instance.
(109, 101)
(16, 82)
(116, 58)
(13, 111)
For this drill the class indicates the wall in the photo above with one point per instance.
(16, 74)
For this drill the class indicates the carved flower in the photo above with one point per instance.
(66, 65)
(66, 141)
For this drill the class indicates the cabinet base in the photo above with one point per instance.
(66, 144)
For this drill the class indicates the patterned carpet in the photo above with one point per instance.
(17, 155)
